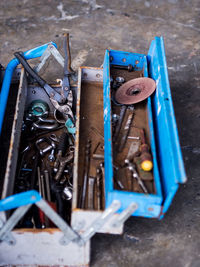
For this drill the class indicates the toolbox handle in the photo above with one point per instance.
(32, 53)
(18, 200)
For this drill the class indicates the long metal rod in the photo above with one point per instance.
(100, 221)
(125, 214)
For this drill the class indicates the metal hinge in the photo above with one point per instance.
(33, 197)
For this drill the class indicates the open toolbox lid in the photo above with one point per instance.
(170, 160)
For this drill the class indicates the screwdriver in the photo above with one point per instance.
(145, 156)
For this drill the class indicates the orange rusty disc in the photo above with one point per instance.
(135, 90)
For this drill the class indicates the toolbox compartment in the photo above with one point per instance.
(89, 125)
(168, 170)
(33, 246)
(33, 242)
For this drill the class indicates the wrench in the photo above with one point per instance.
(126, 130)
(132, 168)
(63, 161)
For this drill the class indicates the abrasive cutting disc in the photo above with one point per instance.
(135, 90)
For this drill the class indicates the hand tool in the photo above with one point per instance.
(135, 90)
(62, 163)
(48, 222)
(37, 135)
(65, 110)
(34, 169)
(62, 148)
(132, 168)
(48, 89)
(42, 193)
(98, 188)
(85, 174)
(101, 165)
(47, 182)
(145, 175)
(119, 123)
(67, 66)
(145, 156)
(133, 150)
(91, 183)
(126, 130)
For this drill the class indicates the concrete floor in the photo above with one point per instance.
(130, 25)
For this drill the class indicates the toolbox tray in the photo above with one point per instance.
(33, 246)
(89, 125)
(168, 170)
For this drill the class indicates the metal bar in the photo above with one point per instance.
(57, 55)
(69, 233)
(100, 221)
(125, 214)
(12, 221)
(43, 60)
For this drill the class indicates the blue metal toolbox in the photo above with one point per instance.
(168, 170)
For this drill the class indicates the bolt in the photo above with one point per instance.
(51, 157)
(128, 67)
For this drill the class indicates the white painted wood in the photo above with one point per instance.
(42, 247)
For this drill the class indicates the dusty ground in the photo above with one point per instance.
(130, 25)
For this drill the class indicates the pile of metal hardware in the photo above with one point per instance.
(47, 143)
(132, 158)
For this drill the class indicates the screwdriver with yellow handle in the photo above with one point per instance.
(145, 156)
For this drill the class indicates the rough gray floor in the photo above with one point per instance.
(130, 25)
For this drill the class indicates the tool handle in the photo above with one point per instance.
(42, 218)
(146, 158)
(22, 60)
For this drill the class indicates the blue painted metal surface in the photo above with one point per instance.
(170, 159)
(18, 200)
(167, 159)
(148, 205)
(32, 53)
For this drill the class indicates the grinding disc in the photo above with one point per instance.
(135, 90)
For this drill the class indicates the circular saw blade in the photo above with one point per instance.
(135, 90)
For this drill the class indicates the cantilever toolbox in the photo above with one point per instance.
(103, 207)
